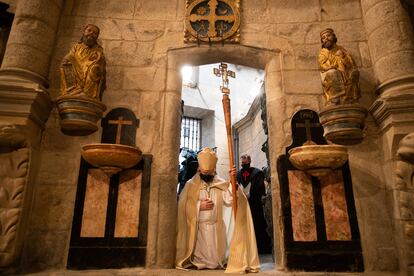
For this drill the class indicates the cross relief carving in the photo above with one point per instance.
(212, 21)
(120, 122)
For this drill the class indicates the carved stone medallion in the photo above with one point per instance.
(212, 21)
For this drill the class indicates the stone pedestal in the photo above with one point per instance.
(79, 115)
(343, 124)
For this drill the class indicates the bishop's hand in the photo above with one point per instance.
(206, 204)
(233, 172)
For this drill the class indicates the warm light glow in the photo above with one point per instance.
(187, 74)
(257, 89)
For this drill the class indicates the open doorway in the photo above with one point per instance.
(203, 125)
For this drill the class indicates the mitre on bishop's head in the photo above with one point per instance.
(207, 160)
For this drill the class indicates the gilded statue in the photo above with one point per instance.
(339, 74)
(83, 68)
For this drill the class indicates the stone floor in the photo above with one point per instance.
(174, 272)
(267, 266)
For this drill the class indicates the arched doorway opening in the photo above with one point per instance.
(267, 60)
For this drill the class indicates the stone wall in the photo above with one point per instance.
(251, 136)
(143, 43)
(207, 131)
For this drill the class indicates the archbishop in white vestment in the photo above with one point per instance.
(209, 239)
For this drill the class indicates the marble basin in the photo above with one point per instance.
(111, 158)
(318, 160)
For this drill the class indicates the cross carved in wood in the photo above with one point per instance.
(120, 122)
(308, 125)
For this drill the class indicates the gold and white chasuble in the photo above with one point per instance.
(211, 239)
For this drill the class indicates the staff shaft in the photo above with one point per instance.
(227, 119)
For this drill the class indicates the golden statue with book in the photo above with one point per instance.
(82, 84)
(83, 68)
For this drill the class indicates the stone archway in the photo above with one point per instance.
(162, 244)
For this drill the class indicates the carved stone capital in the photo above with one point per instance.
(24, 108)
(396, 85)
(394, 109)
(24, 77)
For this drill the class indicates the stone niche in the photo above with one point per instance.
(320, 226)
(110, 222)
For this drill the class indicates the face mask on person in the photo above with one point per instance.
(245, 166)
(206, 177)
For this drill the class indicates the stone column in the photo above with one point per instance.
(276, 106)
(163, 195)
(391, 43)
(31, 41)
(24, 108)
(390, 39)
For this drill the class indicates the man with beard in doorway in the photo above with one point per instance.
(83, 68)
(252, 180)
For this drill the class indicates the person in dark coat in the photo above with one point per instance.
(188, 169)
(252, 180)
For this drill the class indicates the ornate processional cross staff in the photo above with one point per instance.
(225, 74)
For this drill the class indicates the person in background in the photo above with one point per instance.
(252, 181)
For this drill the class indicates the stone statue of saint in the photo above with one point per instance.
(83, 68)
(340, 76)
